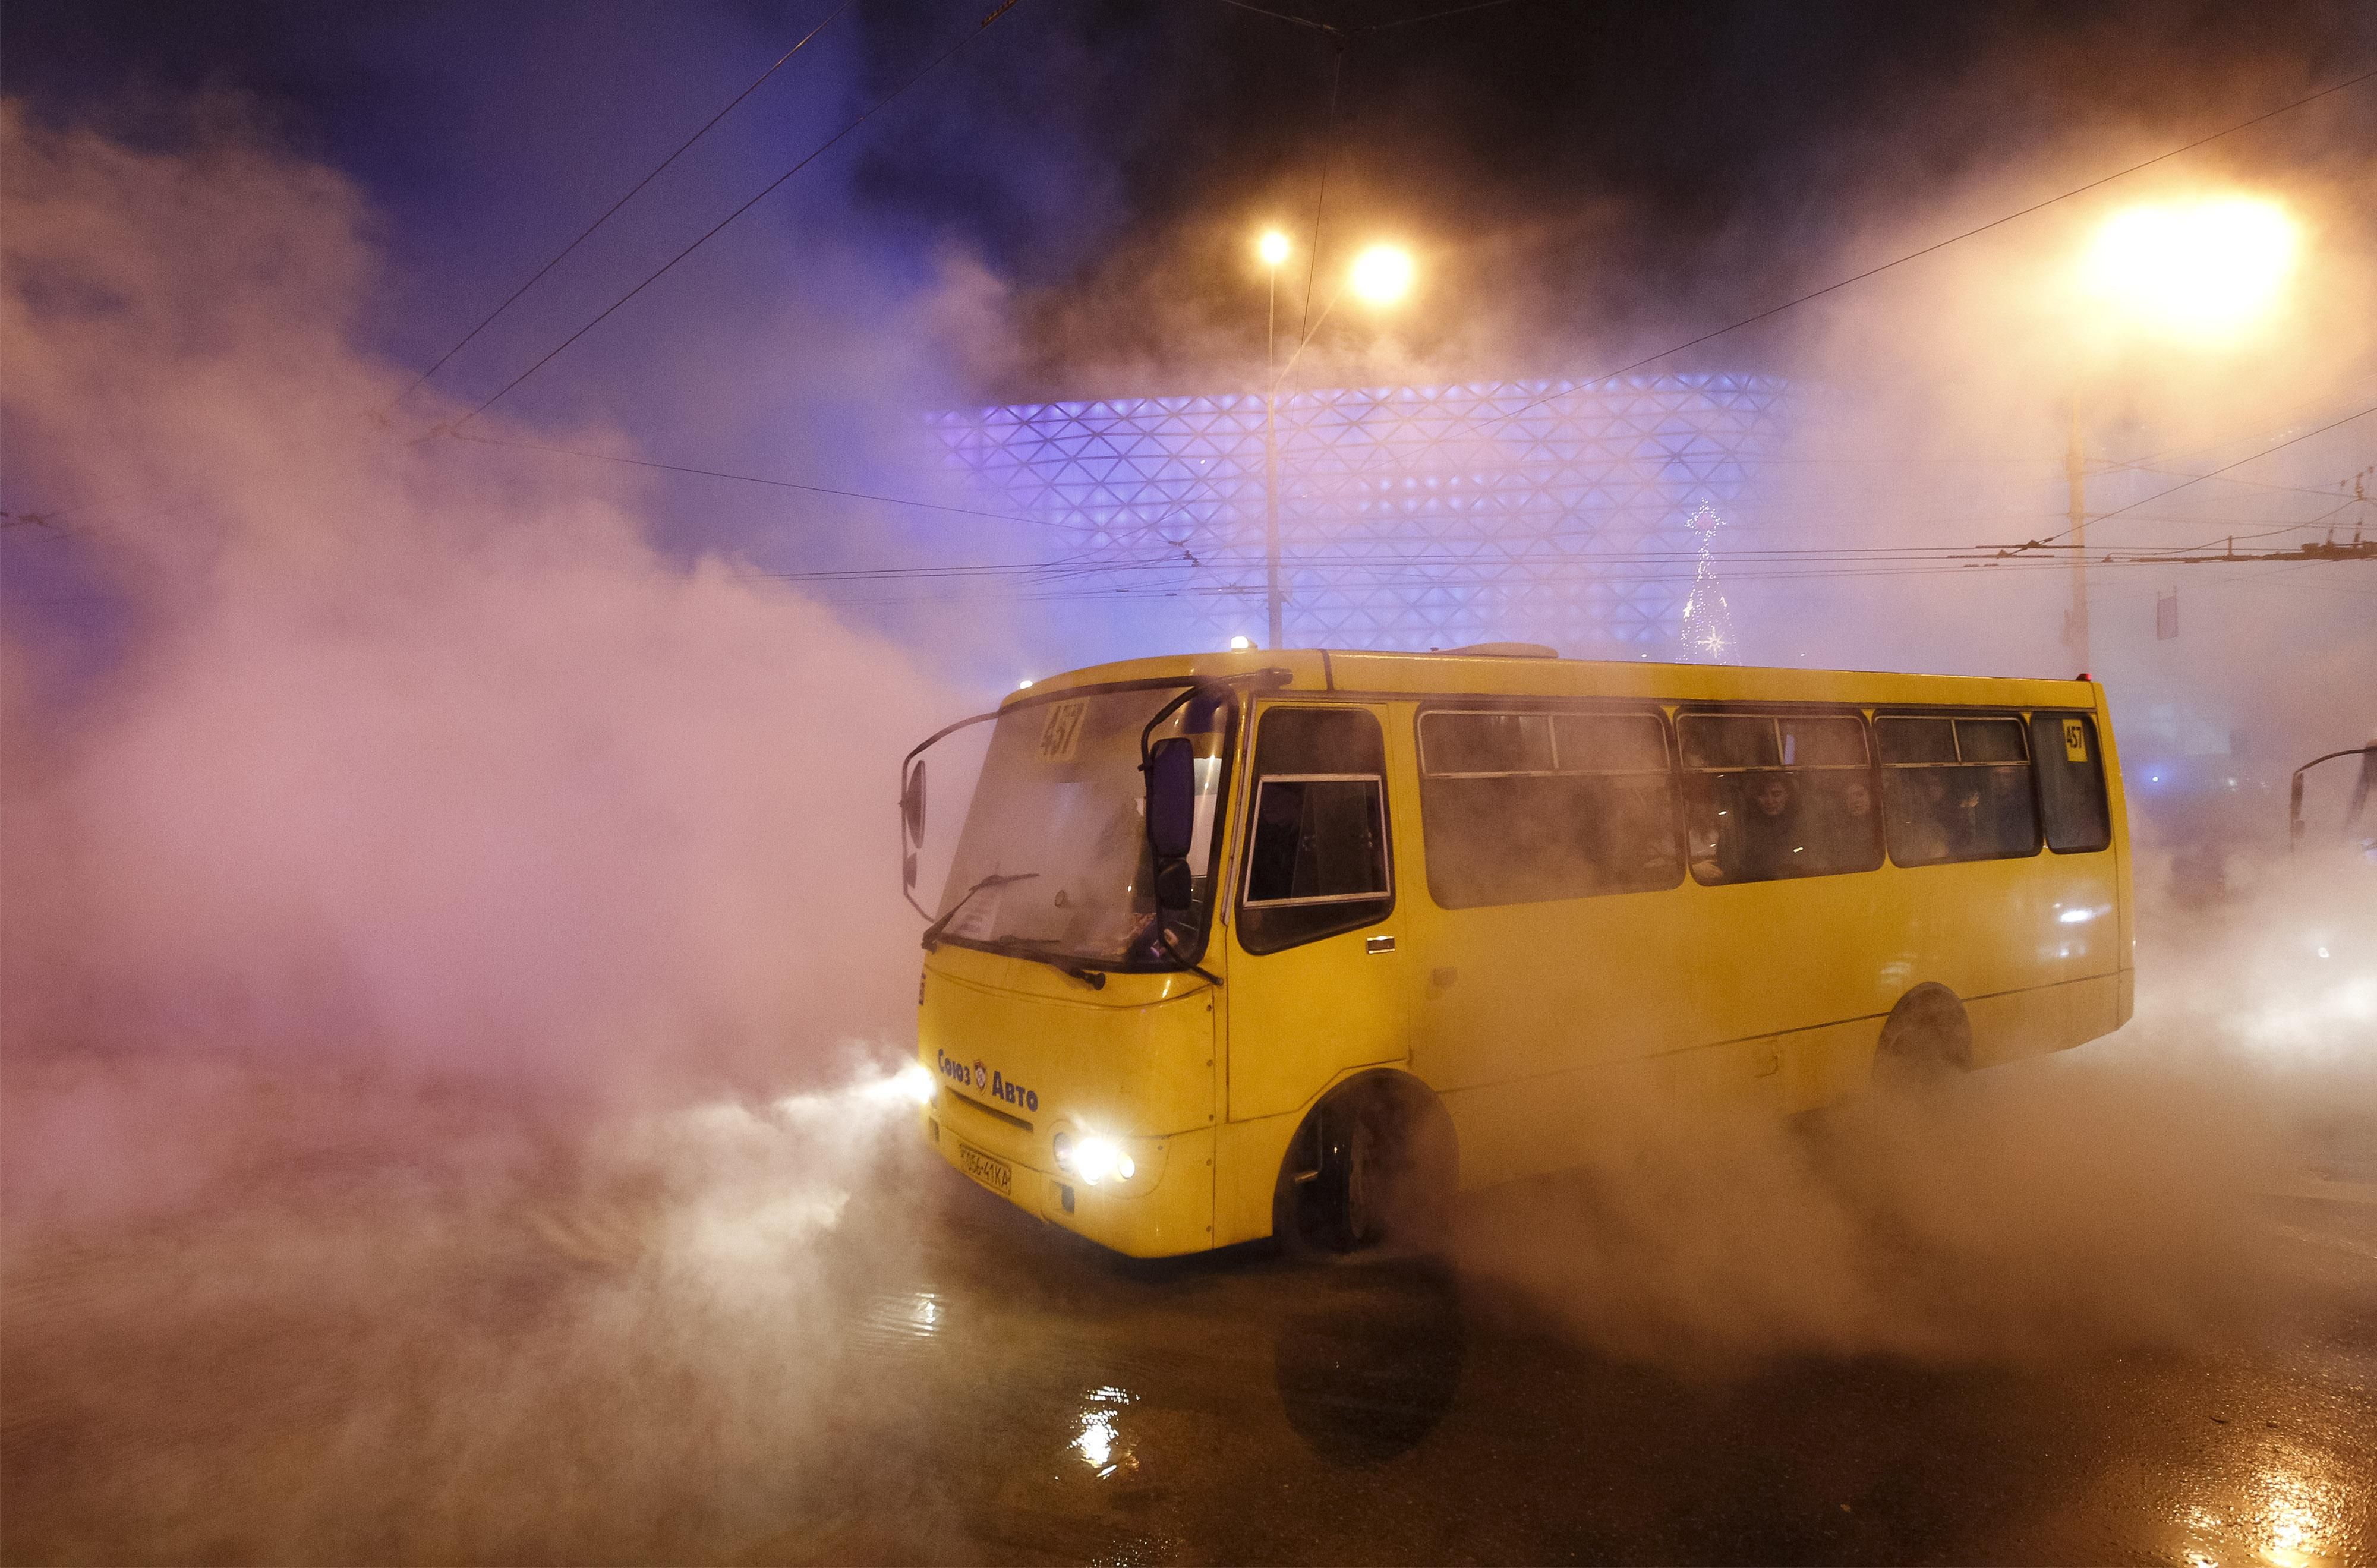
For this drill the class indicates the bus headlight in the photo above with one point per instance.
(1093, 1158)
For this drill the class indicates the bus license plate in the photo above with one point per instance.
(992, 1173)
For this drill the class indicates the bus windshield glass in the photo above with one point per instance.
(1054, 862)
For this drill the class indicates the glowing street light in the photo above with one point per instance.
(1381, 275)
(2200, 269)
(1272, 247)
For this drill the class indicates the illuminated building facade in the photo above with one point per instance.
(1569, 512)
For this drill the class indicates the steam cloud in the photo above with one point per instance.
(438, 925)
(404, 771)
(432, 848)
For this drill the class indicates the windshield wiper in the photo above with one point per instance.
(995, 879)
(1095, 979)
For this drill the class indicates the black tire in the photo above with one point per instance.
(1926, 1040)
(1373, 1166)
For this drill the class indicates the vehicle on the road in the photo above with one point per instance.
(2363, 840)
(1243, 944)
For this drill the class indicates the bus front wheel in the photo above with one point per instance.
(1927, 1039)
(1374, 1164)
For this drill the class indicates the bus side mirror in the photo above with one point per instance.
(911, 804)
(912, 821)
(1172, 819)
(2294, 812)
(1170, 798)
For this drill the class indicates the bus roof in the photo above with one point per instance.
(1465, 674)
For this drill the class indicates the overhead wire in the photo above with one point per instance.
(1255, 590)
(1319, 210)
(1596, 571)
(1943, 244)
(1568, 391)
(810, 157)
(1441, 16)
(2198, 478)
(772, 483)
(608, 212)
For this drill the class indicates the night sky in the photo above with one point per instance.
(1602, 167)
(1063, 206)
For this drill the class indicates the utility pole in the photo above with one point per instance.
(1271, 461)
(2075, 473)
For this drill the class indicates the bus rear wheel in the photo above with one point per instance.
(1926, 1040)
(1373, 1165)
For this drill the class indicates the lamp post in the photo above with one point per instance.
(1272, 248)
(1381, 275)
(2076, 479)
(2199, 272)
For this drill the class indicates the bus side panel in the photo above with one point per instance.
(1831, 1062)
(2054, 1017)
(2095, 1007)
(1246, 1173)
(1517, 991)
(2118, 803)
(1537, 1125)
(2016, 1024)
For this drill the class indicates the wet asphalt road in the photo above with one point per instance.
(1237, 1409)
(365, 1360)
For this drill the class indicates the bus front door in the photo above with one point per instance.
(1317, 979)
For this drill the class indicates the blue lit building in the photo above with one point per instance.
(1410, 517)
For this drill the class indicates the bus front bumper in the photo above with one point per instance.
(1164, 1209)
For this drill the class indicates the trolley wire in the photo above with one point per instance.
(772, 483)
(1339, 30)
(558, 256)
(2198, 478)
(881, 104)
(1951, 239)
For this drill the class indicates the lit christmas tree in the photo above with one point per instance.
(1708, 621)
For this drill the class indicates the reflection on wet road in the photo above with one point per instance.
(950, 1380)
(1237, 1409)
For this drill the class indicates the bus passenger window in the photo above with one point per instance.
(1805, 807)
(1522, 806)
(1715, 740)
(1316, 850)
(1955, 789)
(2071, 782)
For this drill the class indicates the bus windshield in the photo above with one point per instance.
(1054, 862)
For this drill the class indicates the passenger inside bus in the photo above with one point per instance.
(1847, 839)
(1766, 842)
(2009, 815)
(1922, 818)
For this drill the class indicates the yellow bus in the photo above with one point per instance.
(1240, 944)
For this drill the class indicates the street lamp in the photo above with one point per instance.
(1381, 275)
(2200, 271)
